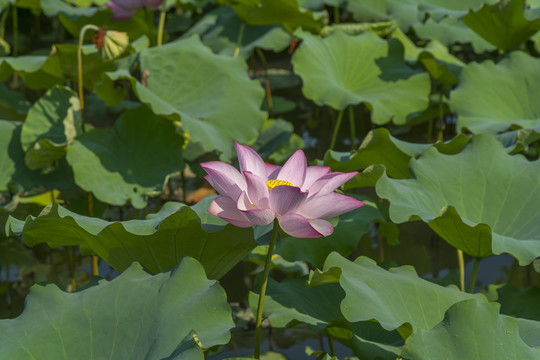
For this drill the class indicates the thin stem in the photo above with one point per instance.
(161, 26)
(336, 14)
(15, 51)
(266, 82)
(472, 278)
(90, 209)
(336, 130)
(71, 268)
(353, 128)
(441, 116)
(3, 19)
(183, 180)
(330, 344)
(461, 264)
(430, 130)
(381, 248)
(257, 351)
(79, 63)
(239, 39)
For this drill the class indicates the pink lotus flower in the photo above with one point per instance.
(124, 9)
(299, 196)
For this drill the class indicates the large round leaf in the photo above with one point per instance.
(503, 24)
(52, 123)
(491, 97)
(481, 200)
(129, 162)
(211, 94)
(135, 316)
(343, 70)
(393, 298)
(470, 330)
(158, 243)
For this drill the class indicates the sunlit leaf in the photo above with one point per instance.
(481, 200)
(393, 298)
(491, 97)
(360, 69)
(470, 330)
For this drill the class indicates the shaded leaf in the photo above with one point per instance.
(502, 24)
(114, 165)
(158, 242)
(52, 123)
(135, 316)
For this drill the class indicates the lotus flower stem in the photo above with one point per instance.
(239, 39)
(472, 278)
(79, 63)
(353, 128)
(461, 264)
(257, 351)
(15, 52)
(336, 130)
(161, 26)
(336, 14)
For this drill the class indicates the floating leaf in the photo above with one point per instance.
(158, 243)
(188, 82)
(273, 12)
(492, 97)
(379, 147)
(51, 8)
(343, 70)
(450, 30)
(13, 104)
(502, 24)
(481, 200)
(52, 123)
(135, 316)
(470, 330)
(114, 165)
(221, 29)
(393, 298)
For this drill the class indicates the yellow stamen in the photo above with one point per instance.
(273, 183)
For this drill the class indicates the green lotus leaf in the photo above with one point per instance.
(345, 238)
(52, 123)
(221, 29)
(529, 331)
(52, 8)
(135, 316)
(459, 198)
(114, 165)
(379, 147)
(520, 303)
(361, 69)
(13, 104)
(450, 30)
(405, 13)
(41, 72)
(188, 82)
(8, 159)
(158, 242)
(470, 330)
(273, 12)
(289, 303)
(502, 24)
(516, 141)
(482, 100)
(393, 298)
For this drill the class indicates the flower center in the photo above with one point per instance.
(273, 183)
